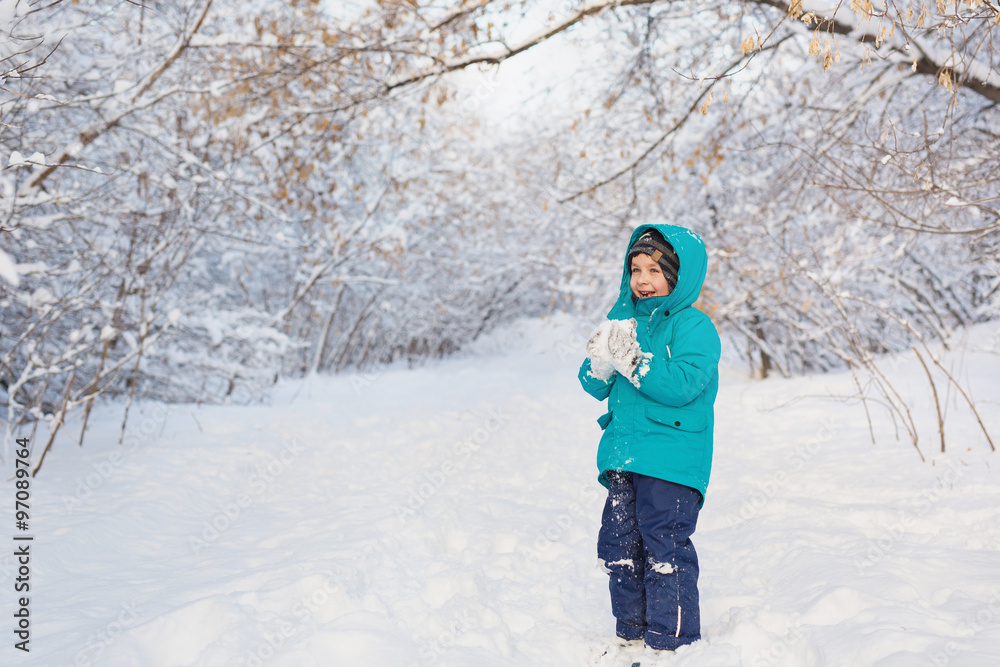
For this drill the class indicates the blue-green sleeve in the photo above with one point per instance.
(599, 389)
(676, 376)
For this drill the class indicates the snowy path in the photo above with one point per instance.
(447, 516)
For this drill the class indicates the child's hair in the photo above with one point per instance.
(653, 244)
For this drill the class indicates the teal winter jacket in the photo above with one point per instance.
(663, 428)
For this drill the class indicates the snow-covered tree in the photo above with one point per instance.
(219, 192)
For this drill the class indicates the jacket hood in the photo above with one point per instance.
(693, 258)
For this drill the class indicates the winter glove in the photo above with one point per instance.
(626, 355)
(601, 366)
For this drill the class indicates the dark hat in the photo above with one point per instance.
(659, 249)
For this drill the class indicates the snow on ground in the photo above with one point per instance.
(448, 516)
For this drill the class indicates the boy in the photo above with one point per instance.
(656, 361)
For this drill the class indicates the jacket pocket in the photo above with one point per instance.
(682, 419)
(604, 420)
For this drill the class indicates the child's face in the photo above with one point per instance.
(647, 278)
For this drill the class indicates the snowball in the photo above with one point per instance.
(663, 568)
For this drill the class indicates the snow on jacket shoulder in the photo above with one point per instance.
(664, 427)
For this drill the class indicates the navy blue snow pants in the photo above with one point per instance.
(645, 543)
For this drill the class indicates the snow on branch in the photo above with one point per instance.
(92, 133)
(904, 38)
(504, 52)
